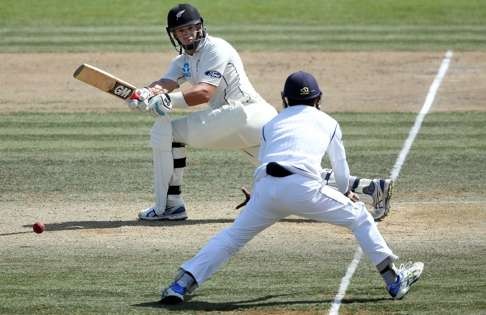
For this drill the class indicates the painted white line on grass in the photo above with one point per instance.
(346, 280)
(420, 117)
(395, 172)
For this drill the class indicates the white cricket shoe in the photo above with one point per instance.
(170, 213)
(382, 193)
(408, 274)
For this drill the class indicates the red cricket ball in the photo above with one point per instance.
(38, 227)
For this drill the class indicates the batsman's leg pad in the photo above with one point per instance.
(174, 198)
(163, 164)
(161, 134)
(179, 156)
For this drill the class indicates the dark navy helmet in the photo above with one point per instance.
(183, 15)
(301, 86)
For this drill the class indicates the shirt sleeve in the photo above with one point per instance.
(213, 65)
(175, 71)
(337, 157)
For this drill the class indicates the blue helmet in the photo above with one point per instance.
(301, 86)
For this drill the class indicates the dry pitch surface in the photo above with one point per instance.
(367, 82)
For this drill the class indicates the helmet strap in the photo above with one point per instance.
(201, 34)
(284, 100)
(177, 45)
(317, 103)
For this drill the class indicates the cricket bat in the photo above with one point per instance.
(104, 81)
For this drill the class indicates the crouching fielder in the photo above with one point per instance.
(288, 182)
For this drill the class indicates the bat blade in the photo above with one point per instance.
(104, 81)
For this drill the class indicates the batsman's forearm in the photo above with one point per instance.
(163, 86)
(199, 94)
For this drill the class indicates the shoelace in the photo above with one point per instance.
(406, 265)
(379, 194)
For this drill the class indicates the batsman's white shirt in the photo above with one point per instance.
(215, 62)
(237, 112)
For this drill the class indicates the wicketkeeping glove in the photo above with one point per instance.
(159, 104)
(139, 99)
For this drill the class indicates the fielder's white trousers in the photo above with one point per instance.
(276, 198)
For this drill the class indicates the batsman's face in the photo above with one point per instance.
(187, 34)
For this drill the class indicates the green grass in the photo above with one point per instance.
(55, 25)
(90, 157)
(103, 280)
(220, 12)
(73, 284)
(85, 154)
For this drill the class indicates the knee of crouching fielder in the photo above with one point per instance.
(363, 217)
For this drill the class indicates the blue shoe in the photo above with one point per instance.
(174, 294)
(170, 213)
(183, 284)
(408, 274)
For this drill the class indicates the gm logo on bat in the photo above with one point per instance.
(122, 90)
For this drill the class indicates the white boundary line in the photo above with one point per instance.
(420, 117)
(345, 281)
(395, 172)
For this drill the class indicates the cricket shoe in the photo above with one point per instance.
(173, 295)
(408, 274)
(184, 283)
(381, 191)
(171, 214)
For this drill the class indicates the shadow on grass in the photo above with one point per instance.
(249, 304)
(86, 225)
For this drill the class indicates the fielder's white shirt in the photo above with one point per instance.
(215, 62)
(298, 138)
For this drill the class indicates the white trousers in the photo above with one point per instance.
(233, 126)
(276, 198)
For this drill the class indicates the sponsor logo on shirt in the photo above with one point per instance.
(213, 74)
(186, 70)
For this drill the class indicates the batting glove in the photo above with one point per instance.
(139, 99)
(159, 104)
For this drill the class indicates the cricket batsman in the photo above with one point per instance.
(233, 119)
